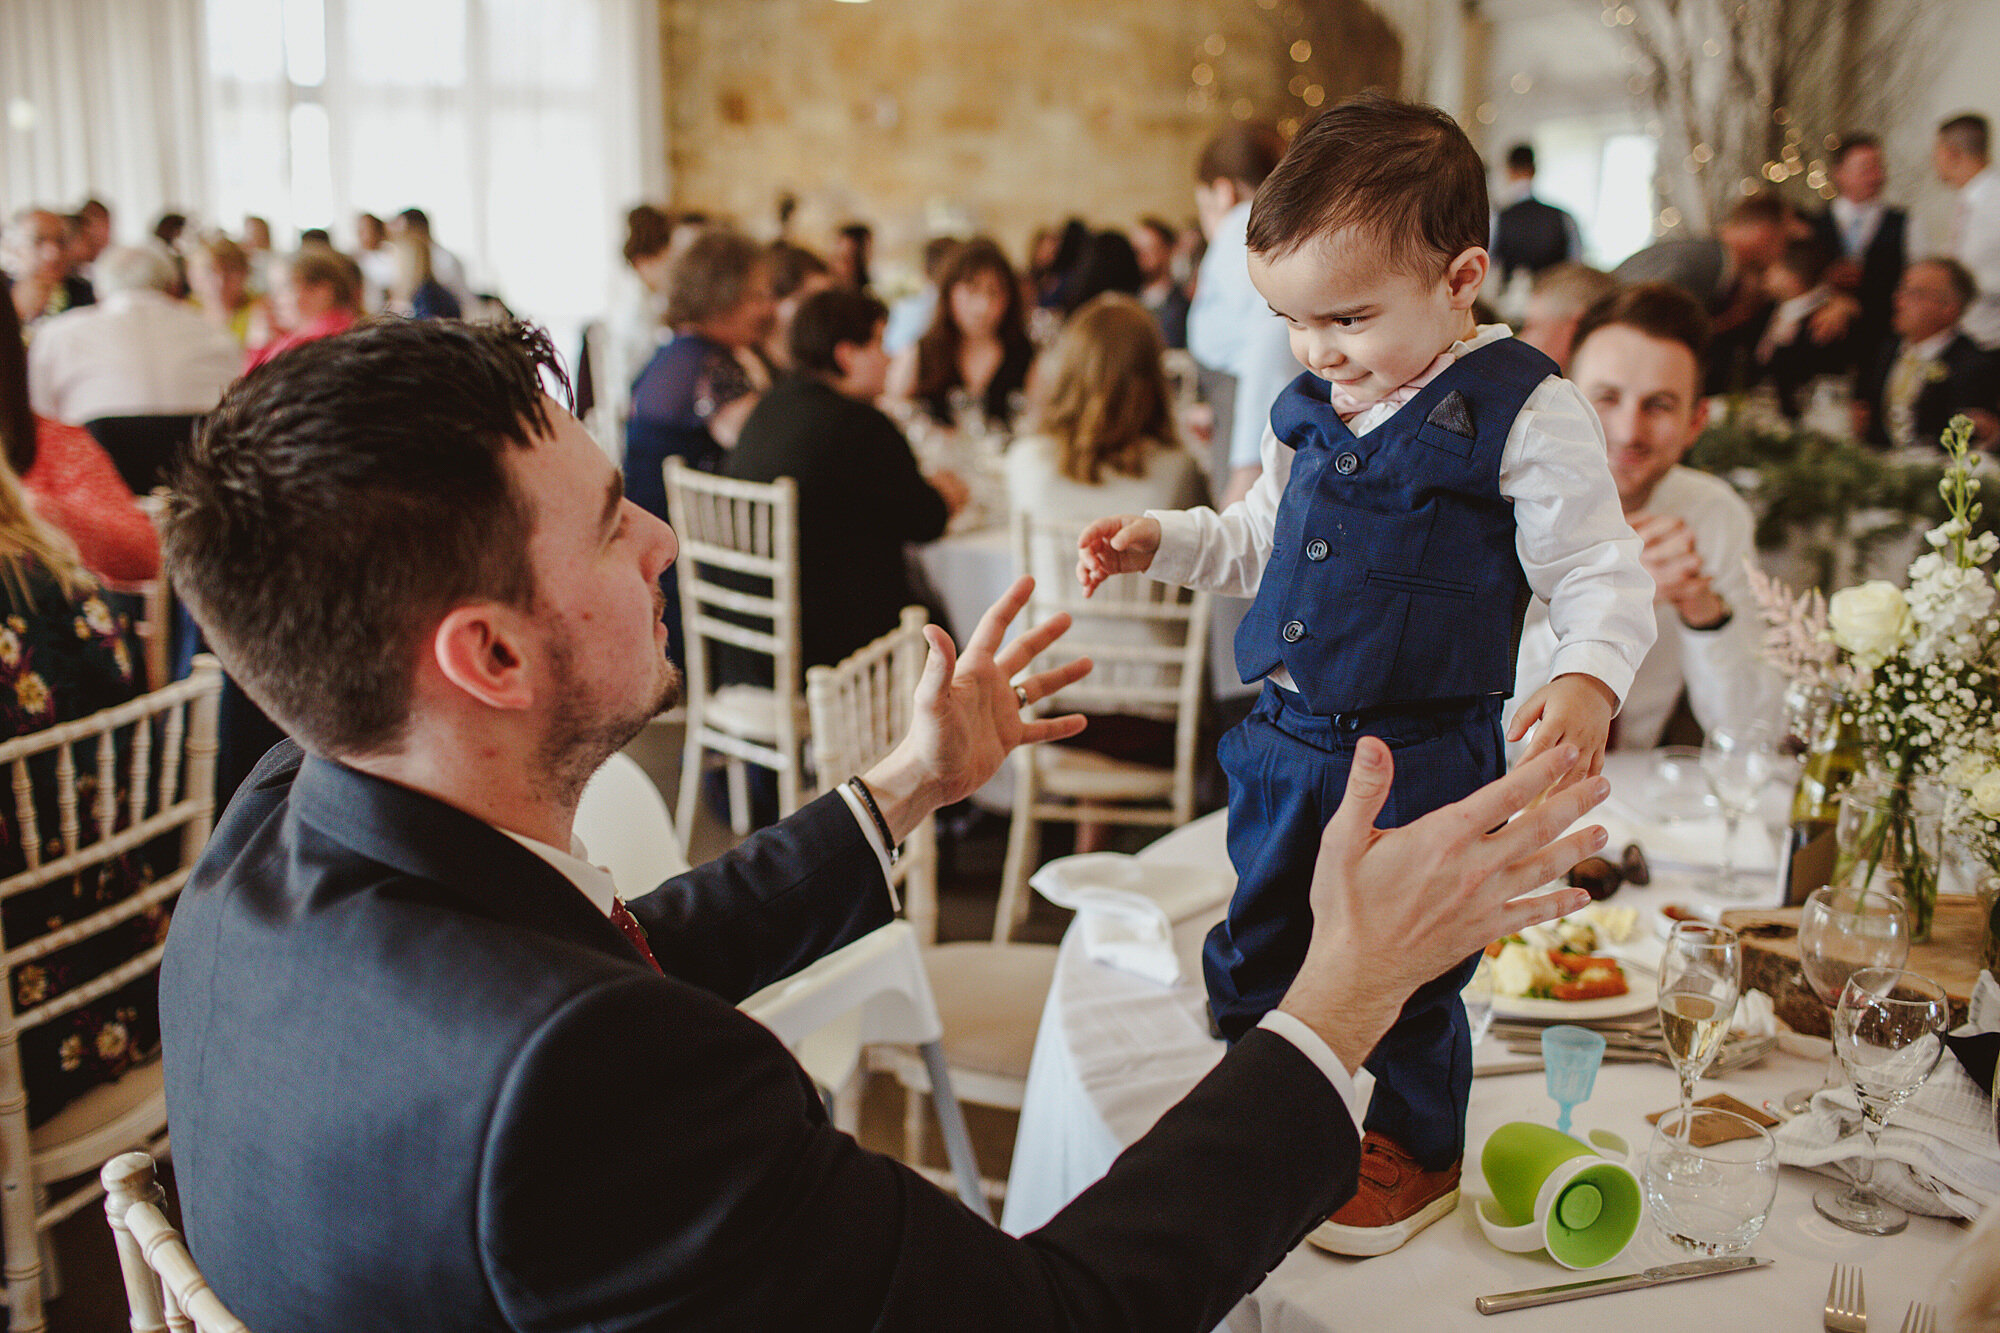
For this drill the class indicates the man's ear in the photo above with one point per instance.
(843, 357)
(1698, 421)
(1464, 276)
(477, 647)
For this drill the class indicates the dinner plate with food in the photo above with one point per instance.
(1571, 970)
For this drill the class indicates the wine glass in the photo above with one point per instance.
(1738, 762)
(1888, 1031)
(1843, 929)
(1700, 977)
(1478, 999)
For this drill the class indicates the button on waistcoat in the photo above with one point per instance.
(1393, 576)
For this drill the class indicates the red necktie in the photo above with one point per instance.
(621, 917)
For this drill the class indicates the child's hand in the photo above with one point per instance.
(1121, 544)
(1574, 710)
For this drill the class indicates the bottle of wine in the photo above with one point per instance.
(1832, 760)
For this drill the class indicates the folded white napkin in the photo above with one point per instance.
(1127, 908)
(1944, 1134)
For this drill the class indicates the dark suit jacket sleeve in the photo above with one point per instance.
(654, 1163)
(1972, 380)
(787, 895)
(891, 487)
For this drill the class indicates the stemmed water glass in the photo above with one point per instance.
(1888, 1031)
(1842, 930)
(1738, 762)
(1700, 977)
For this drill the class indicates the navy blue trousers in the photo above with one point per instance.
(1287, 771)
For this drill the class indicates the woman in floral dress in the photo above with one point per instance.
(66, 653)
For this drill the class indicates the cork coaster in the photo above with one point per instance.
(1712, 1129)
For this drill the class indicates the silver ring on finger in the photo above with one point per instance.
(1021, 695)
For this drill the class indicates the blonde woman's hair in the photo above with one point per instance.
(1103, 397)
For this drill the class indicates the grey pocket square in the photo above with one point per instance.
(1454, 414)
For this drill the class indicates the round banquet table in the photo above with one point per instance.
(1114, 1051)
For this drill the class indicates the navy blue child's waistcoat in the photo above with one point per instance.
(1393, 576)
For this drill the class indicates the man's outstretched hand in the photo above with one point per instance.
(968, 719)
(1393, 908)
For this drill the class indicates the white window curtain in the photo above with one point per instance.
(102, 98)
(524, 128)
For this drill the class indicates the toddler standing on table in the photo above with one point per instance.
(1420, 482)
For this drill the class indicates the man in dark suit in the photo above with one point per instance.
(861, 496)
(1868, 237)
(1725, 272)
(1528, 234)
(1928, 371)
(426, 1071)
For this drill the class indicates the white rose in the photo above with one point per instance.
(1870, 621)
(1986, 794)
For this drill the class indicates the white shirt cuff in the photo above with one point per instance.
(873, 834)
(1295, 1031)
(1593, 657)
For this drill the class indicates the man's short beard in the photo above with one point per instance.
(576, 745)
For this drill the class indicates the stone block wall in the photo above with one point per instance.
(927, 116)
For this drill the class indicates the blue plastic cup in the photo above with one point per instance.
(1570, 1059)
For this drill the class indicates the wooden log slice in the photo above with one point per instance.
(1950, 957)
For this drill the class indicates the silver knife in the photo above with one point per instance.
(1652, 1277)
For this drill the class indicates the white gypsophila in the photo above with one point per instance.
(1950, 606)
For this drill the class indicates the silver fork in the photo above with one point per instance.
(1846, 1311)
(1920, 1319)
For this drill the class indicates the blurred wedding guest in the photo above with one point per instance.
(1231, 331)
(66, 652)
(910, 315)
(1792, 353)
(95, 216)
(1725, 272)
(861, 496)
(219, 275)
(1638, 363)
(314, 293)
(1101, 432)
(1529, 236)
(137, 352)
(167, 234)
(446, 267)
(796, 273)
(1930, 369)
(1054, 258)
(1868, 238)
(34, 252)
(376, 258)
(1108, 264)
(1962, 156)
(1153, 243)
(635, 323)
(1556, 304)
(975, 357)
(67, 476)
(256, 242)
(1103, 442)
(415, 290)
(853, 250)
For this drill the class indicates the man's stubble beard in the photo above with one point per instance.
(576, 745)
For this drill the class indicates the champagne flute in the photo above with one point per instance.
(1888, 1031)
(1700, 976)
(1738, 762)
(1843, 929)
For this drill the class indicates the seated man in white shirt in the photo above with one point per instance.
(1639, 362)
(137, 352)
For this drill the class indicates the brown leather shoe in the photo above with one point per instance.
(1395, 1200)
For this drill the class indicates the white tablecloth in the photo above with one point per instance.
(1114, 1051)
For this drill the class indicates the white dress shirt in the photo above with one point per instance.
(1977, 246)
(1231, 329)
(1857, 224)
(1575, 547)
(135, 353)
(1721, 669)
